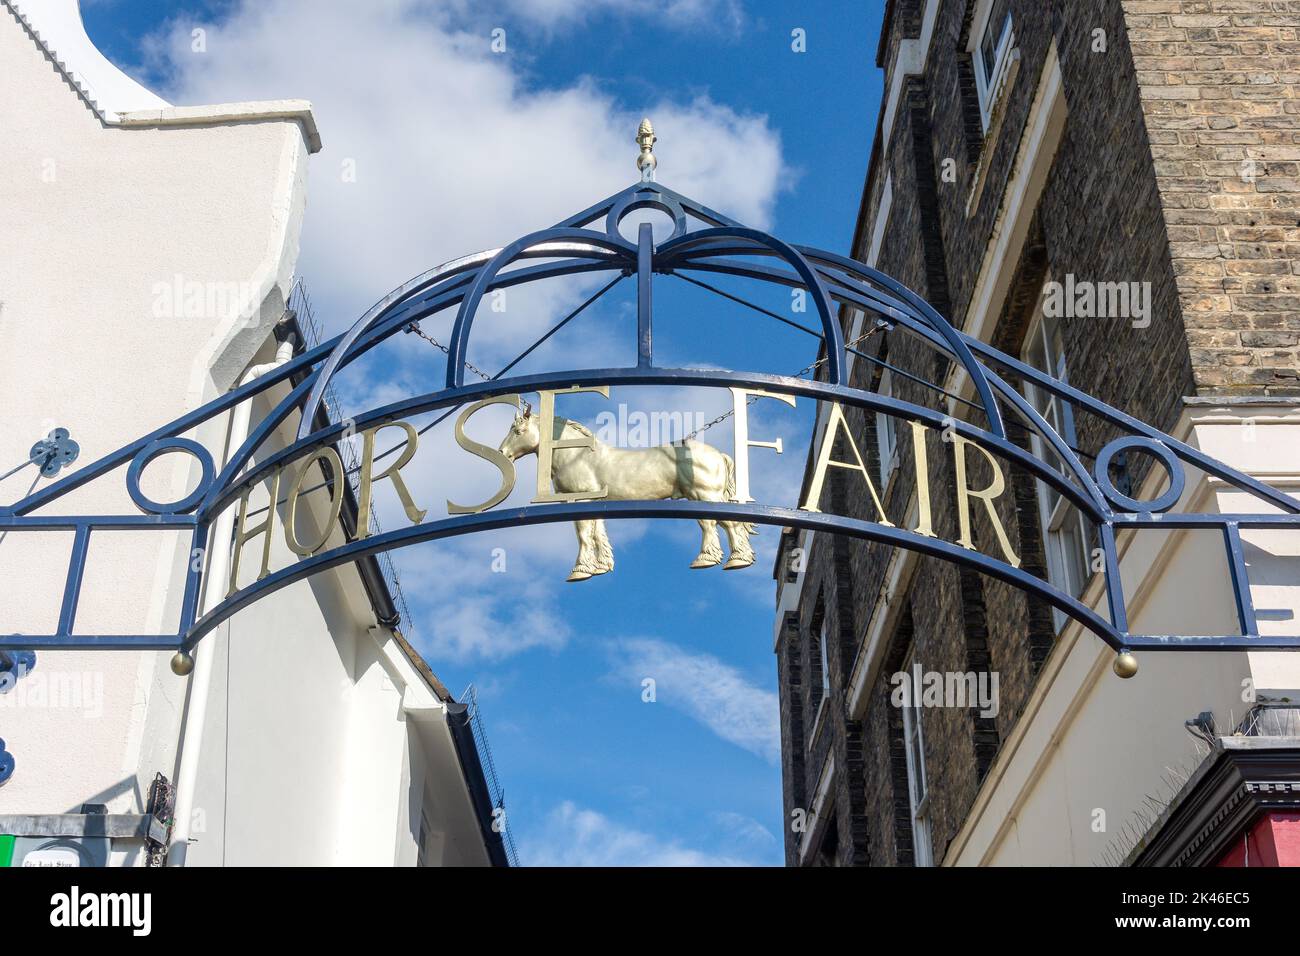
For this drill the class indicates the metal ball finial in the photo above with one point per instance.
(646, 139)
(1125, 665)
(182, 664)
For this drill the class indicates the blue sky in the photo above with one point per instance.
(453, 148)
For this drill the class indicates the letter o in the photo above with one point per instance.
(336, 502)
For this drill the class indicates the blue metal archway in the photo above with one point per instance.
(702, 241)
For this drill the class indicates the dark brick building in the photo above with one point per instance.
(1153, 143)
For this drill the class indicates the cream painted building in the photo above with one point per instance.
(150, 255)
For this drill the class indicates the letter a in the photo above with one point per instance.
(824, 461)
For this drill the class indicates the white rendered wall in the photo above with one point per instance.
(322, 743)
(94, 218)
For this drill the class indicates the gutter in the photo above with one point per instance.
(462, 736)
(372, 579)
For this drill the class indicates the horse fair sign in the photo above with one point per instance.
(575, 465)
(584, 480)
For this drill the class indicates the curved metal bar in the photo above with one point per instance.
(672, 508)
(1082, 399)
(956, 342)
(254, 441)
(415, 311)
(1189, 454)
(401, 294)
(834, 336)
(901, 314)
(1012, 395)
(460, 331)
(227, 489)
(958, 348)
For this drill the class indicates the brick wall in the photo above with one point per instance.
(1220, 88)
(1147, 186)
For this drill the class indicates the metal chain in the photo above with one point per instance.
(415, 327)
(803, 371)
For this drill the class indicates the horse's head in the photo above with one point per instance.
(524, 436)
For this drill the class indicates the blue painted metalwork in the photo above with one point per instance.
(54, 452)
(6, 764)
(152, 451)
(701, 241)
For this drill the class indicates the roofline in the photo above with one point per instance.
(888, 21)
(417, 660)
(223, 114)
(159, 112)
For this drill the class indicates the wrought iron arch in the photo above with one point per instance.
(701, 241)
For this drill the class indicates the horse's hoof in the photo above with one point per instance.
(705, 563)
(601, 571)
(736, 563)
(577, 576)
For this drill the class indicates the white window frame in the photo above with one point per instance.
(989, 84)
(1067, 565)
(826, 669)
(918, 789)
(886, 433)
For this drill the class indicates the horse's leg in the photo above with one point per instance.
(710, 547)
(584, 567)
(604, 550)
(742, 555)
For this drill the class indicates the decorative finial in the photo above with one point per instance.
(1125, 665)
(646, 162)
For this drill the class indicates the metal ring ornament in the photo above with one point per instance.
(645, 200)
(1173, 468)
(152, 451)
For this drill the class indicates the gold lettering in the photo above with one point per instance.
(243, 534)
(924, 524)
(393, 472)
(488, 453)
(964, 494)
(549, 441)
(740, 411)
(824, 461)
(336, 502)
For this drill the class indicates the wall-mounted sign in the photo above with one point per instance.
(53, 852)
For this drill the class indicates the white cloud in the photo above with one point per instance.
(454, 150)
(573, 836)
(707, 689)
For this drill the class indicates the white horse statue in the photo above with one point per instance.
(688, 469)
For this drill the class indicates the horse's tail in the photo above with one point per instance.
(729, 489)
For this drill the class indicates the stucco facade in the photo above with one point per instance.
(151, 252)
